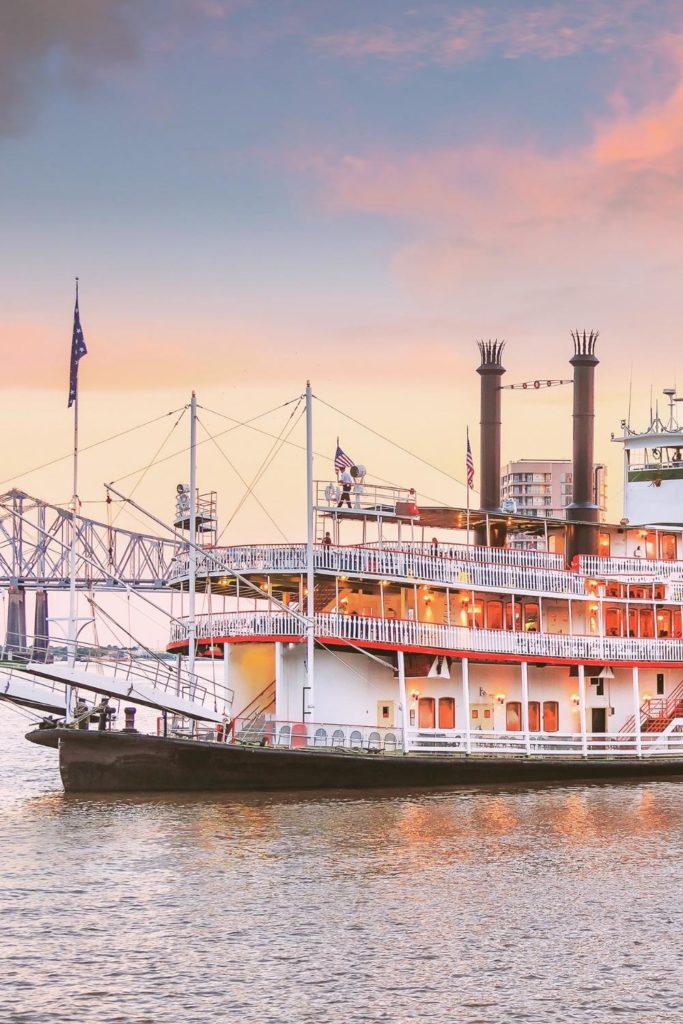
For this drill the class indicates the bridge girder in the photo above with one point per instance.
(35, 540)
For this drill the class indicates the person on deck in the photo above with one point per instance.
(345, 480)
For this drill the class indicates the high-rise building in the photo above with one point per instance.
(544, 487)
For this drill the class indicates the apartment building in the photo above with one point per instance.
(544, 487)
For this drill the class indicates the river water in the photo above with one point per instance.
(485, 906)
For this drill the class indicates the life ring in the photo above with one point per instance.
(330, 492)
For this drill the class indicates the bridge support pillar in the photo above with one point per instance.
(41, 637)
(15, 641)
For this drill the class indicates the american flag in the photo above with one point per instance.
(469, 463)
(341, 460)
(78, 350)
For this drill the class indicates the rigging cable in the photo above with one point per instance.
(266, 463)
(389, 441)
(325, 455)
(237, 423)
(88, 447)
(152, 461)
(239, 475)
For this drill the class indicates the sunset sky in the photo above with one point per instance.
(254, 192)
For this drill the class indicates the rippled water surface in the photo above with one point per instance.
(497, 905)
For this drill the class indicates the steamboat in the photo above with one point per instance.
(407, 644)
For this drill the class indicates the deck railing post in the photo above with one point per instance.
(525, 706)
(465, 667)
(582, 710)
(636, 710)
(403, 700)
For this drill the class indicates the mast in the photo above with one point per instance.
(192, 554)
(309, 703)
(72, 631)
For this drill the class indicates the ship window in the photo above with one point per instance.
(426, 707)
(531, 620)
(613, 621)
(663, 622)
(494, 614)
(646, 622)
(660, 684)
(513, 716)
(508, 616)
(604, 545)
(676, 623)
(534, 716)
(668, 547)
(446, 713)
(612, 590)
(477, 613)
(550, 715)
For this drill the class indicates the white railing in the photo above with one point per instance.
(247, 624)
(408, 565)
(649, 568)
(546, 745)
(161, 674)
(365, 497)
(320, 735)
(403, 633)
(245, 558)
(479, 553)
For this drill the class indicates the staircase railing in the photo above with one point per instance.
(249, 722)
(656, 713)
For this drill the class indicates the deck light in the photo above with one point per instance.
(414, 694)
(500, 697)
(575, 699)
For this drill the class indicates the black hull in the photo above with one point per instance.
(96, 762)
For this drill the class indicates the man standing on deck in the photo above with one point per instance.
(345, 480)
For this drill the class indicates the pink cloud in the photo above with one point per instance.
(547, 31)
(492, 209)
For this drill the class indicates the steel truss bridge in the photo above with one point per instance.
(35, 543)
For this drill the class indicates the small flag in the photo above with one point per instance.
(78, 350)
(341, 459)
(469, 463)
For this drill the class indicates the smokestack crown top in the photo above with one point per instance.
(491, 356)
(584, 347)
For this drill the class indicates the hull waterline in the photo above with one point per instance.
(132, 762)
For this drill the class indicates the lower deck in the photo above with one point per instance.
(408, 702)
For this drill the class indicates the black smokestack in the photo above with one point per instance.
(583, 514)
(490, 370)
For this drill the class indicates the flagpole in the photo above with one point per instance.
(309, 696)
(468, 515)
(467, 484)
(72, 630)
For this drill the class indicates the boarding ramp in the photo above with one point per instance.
(17, 687)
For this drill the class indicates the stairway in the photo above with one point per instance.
(324, 595)
(250, 725)
(657, 713)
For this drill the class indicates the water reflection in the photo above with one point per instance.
(488, 905)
